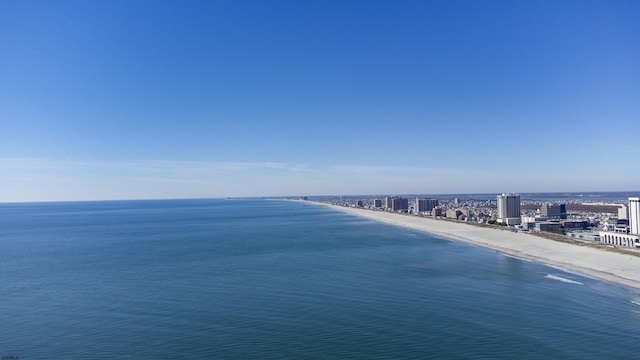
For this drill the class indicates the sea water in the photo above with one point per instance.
(239, 279)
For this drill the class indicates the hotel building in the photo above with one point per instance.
(509, 209)
(554, 211)
(396, 203)
(425, 205)
(399, 204)
(388, 203)
(626, 236)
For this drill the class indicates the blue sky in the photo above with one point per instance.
(166, 99)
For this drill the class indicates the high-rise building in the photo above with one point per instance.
(377, 203)
(628, 236)
(634, 215)
(554, 211)
(509, 209)
(623, 212)
(425, 205)
(618, 235)
(388, 203)
(398, 204)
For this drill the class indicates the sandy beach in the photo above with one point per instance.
(609, 266)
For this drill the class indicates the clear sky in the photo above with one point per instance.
(179, 99)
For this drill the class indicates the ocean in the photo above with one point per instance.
(258, 279)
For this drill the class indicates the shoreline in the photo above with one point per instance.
(621, 269)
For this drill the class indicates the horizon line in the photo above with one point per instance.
(277, 197)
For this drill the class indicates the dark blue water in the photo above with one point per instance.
(265, 279)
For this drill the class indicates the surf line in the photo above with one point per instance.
(555, 277)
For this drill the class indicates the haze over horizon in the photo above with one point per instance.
(145, 100)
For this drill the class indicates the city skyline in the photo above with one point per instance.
(163, 100)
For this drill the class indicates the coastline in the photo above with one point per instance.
(621, 269)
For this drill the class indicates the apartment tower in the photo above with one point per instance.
(425, 205)
(509, 209)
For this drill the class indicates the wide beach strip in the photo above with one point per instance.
(610, 266)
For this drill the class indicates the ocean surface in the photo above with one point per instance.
(257, 279)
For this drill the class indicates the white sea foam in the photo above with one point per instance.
(559, 278)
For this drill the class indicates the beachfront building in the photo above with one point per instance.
(388, 202)
(623, 212)
(634, 215)
(453, 213)
(626, 236)
(509, 209)
(399, 204)
(574, 224)
(528, 222)
(620, 239)
(377, 203)
(425, 205)
(458, 214)
(547, 226)
(553, 211)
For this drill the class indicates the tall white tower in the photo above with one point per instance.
(634, 215)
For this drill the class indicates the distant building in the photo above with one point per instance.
(623, 212)
(528, 222)
(555, 211)
(616, 225)
(425, 205)
(399, 204)
(634, 215)
(359, 203)
(509, 209)
(619, 239)
(388, 203)
(457, 214)
(453, 213)
(436, 212)
(628, 236)
(548, 226)
(377, 203)
(575, 224)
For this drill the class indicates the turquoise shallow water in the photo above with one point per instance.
(268, 279)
